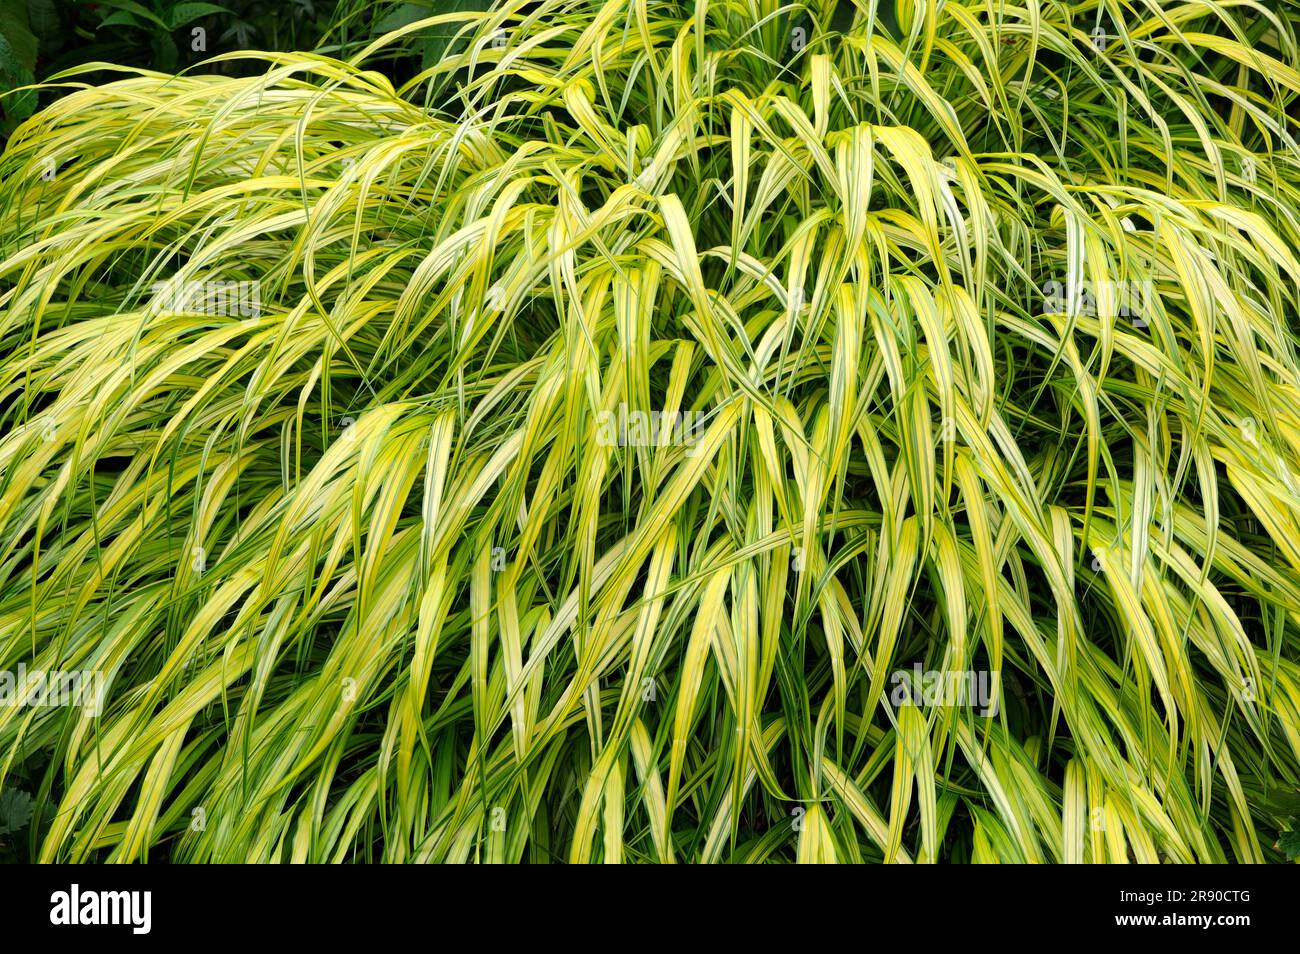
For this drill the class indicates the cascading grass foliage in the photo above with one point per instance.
(367, 579)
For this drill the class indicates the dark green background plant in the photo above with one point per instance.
(40, 38)
(369, 583)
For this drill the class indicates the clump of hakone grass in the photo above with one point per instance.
(365, 584)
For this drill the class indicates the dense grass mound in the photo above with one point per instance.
(577, 453)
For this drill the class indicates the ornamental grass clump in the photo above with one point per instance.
(666, 432)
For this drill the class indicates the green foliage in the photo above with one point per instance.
(18, 45)
(1289, 844)
(40, 38)
(374, 569)
(365, 21)
(15, 811)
